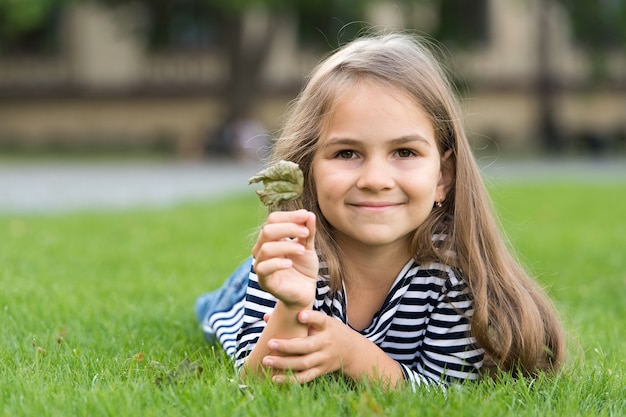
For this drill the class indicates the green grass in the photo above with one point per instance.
(89, 302)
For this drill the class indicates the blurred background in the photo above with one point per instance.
(192, 80)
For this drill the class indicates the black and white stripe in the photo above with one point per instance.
(423, 323)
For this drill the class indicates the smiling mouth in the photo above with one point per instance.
(375, 206)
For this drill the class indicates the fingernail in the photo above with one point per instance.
(304, 316)
(272, 345)
(268, 362)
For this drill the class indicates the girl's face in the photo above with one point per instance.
(377, 169)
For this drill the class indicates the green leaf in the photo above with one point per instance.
(282, 182)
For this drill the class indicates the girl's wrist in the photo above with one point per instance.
(297, 307)
(301, 301)
(285, 321)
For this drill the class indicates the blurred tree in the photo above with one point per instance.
(17, 15)
(225, 26)
(599, 26)
(244, 32)
(463, 23)
(28, 27)
(241, 30)
(547, 127)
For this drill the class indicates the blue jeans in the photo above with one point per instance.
(222, 299)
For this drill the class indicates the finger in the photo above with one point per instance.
(276, 249)
(287, 364)
(313, 318)
(266, 317)
(297, 217)
(278, 231)
(298, 377)
(311, 226)
(297, 346)
(272, 265)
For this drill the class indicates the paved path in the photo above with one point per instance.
(544, 170)
(59, 187)
(50, 187)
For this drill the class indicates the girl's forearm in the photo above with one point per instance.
(367, 361)
(283, 324)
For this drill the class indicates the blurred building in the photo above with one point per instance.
(102, 85)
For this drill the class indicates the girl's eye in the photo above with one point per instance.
(405, 153)
(345, 154)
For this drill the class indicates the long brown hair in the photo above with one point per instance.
(513, 320)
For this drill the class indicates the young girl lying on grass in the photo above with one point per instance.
(395, 269)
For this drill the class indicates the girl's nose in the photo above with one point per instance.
(376, 175)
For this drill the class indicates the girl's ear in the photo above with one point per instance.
(447, 173)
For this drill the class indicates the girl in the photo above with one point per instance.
(395, 270)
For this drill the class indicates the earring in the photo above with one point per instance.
(438, 204)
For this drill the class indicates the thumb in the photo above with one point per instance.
(310, 224)
(312, 318)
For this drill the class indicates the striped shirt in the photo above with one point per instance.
(423, 323)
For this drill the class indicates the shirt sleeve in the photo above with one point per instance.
(257, 304)
(449, 352)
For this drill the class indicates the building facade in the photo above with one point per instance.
(104, 85)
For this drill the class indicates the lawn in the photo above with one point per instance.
(96, 311)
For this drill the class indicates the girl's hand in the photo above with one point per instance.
(285, 259)
(326, 349)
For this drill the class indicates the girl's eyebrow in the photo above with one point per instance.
(402, 140)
